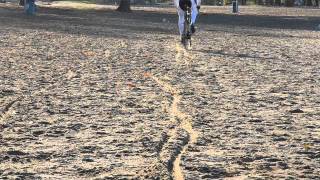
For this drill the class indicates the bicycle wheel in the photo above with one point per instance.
(187, 29)
(189, 43)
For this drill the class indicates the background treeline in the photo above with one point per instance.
(288, 3)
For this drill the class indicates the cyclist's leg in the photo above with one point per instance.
(194, 12)
(181, 21)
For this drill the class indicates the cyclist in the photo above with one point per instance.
(181, 8)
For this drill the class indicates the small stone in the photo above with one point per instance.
(283, 165)
(296, 111)
(87, 159)
(279, 138)
(37, 133)
(16, 153)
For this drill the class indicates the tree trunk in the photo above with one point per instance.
(289, 3)
(124, 6)
(21, 2)
(308, 3)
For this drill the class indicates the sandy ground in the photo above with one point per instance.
(90, 93)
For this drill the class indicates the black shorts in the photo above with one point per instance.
(184, 4)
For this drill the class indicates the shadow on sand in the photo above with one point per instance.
(104, 22)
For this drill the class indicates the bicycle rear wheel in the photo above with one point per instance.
(188, 43)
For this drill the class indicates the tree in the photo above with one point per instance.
(124, 6)
(307, 3)
(289, 3)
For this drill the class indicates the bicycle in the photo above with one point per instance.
(187, 29)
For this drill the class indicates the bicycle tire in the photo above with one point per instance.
(187, 29)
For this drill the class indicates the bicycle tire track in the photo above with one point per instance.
(7, 110)
(183, 123)
(183, 55)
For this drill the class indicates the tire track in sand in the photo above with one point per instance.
(182, 120)
(7, 111)
(183, 56)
